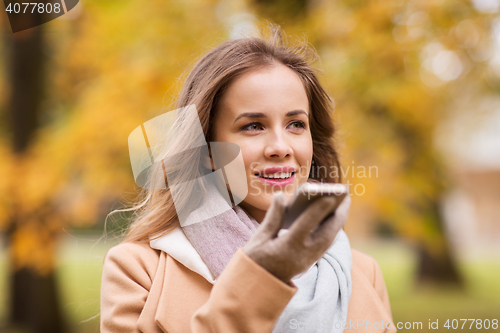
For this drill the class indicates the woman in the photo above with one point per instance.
(236, 271)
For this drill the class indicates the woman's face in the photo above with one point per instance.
(266, 113)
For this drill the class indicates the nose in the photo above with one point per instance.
(277, 146)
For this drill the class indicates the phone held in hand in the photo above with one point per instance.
(307, 193)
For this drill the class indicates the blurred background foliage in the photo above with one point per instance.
(73, 89)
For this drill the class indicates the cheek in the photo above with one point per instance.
(304, 153)
(250, 157)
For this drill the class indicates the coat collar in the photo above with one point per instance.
(178, 246)
(179, 294)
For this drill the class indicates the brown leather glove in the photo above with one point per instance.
(311, 234)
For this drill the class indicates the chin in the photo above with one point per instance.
(263, 204)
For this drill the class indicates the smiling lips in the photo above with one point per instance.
(280, 176)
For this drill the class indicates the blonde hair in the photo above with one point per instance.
(155, 214)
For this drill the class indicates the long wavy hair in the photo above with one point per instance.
(155, 214)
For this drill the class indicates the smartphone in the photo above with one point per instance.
(307, 193)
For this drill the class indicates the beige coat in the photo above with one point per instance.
(147, 290)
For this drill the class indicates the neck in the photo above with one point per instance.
(256, 213)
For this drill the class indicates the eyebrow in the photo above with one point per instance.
(262, 115)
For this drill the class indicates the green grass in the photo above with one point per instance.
(80, 271)
(81, 260)
(79, 276)
(412, 303)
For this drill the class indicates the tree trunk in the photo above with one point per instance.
(440, 269)
(35, 303)
(438, 265)
(34, 300)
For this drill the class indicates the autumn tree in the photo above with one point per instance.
(34, 298)
(394, 69)
(71, 99)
